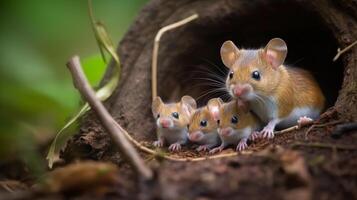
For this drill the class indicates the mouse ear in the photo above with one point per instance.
(188, 104)
(275, 52)
(156, 105)
(229, 53)
(214, 106)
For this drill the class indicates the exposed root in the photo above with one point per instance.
(320, 126)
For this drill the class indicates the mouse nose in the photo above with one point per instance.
(240, 90)
(165, 123)
(237, 91)
(226, 131)
(195, 136)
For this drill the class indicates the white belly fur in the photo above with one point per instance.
(295, 114)
(173, 135)
(237, 136)
(210, 139)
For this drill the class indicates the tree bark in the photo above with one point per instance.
(313, 31)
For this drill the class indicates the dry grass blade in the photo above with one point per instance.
(105, 43)
(156, 50)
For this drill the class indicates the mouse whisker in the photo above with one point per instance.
(226, 97)
(220, 69)
(211, 91)
(210, 83)
(209, 79)
(209, 74)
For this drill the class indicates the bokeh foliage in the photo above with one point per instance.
(36, 39)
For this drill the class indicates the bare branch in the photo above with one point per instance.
(340, 52)
(112, 127)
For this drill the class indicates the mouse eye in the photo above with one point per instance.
(203, 123)
(231, 74)
(234, 120)
(218, 121)
(158, 116)
(175, 114)
(256, 75)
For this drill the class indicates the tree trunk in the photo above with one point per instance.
(313, 31)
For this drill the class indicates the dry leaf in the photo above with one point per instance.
(80, 177)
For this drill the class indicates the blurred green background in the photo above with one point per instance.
(36, 39)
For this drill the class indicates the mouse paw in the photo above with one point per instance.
(255, 135)
(175, 147)
(158, 143)
(267, 132)
(216, 150)
(303, 121)
(242, 145)
(202, 148)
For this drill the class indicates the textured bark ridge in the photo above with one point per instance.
(313, 31)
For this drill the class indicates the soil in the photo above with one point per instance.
(281, 168)
(304, 164)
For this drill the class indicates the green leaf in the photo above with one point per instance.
(104, 40)
(61, 138)
(103, 93)
(94, 69)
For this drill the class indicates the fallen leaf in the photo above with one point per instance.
(85, 176)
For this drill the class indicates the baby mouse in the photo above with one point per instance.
(236, 126)
(277, 94)
(172, 120)
(203, 125)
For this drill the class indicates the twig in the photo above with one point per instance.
(171, 158)
(166, 157)
(340, 52)
(114, 130)
(321, 125)
(293, 128)
(325, 145)
(156, 50)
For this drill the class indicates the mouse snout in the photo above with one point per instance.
(241, 90)
(226, 131)
(195, 136)
(165, 123)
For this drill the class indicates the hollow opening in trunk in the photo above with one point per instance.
(311, 46)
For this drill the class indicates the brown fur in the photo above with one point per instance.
(291, 87)
(206, 113)
(228, 110)
(202, 114)
(165, 110)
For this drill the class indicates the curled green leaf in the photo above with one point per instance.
(104, 43)
(61, 138)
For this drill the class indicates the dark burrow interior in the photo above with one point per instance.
(310, 43)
